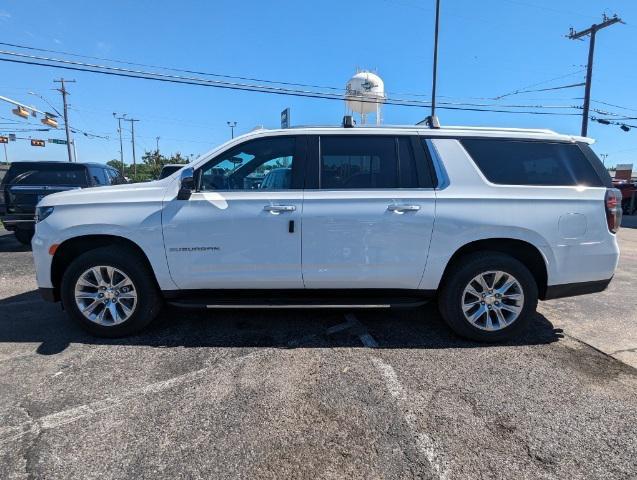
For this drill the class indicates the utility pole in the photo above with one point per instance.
(121, 145)
(232, 125)
(592, 31)
(435, 66)
(64, 93)
(6, 156)
(157, 140)
(132, 134)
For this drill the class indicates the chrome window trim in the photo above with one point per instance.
(439, 167)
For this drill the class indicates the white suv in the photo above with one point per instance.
(487, 220)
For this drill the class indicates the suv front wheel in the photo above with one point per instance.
(488, 296)
(110, 292)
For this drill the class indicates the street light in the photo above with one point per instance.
(232, 125)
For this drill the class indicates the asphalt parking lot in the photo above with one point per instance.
(301, 394)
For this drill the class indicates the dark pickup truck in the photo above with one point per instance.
(25, 183)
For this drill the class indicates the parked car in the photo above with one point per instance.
(488, 221)
(168, 170)
(628, 190)
(26, 183)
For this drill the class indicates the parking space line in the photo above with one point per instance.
(425, 444)
(57, 419)
(363, 335)
(340, 327)
(330, 331)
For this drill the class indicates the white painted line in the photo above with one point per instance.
(363, 335)
(425, 444)
(340, 327)
(53, 420)
(330, 331)
(368, 340)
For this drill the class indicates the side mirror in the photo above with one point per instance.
(186, 183)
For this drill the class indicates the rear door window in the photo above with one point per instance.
(519, 162)
(358, 162)
(354, 162)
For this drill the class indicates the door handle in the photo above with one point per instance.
(279, 208)
(403, 208)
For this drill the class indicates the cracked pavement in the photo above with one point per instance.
(298, 394)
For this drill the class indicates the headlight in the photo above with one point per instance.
(42, 212)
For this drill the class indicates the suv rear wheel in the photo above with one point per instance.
(488, 296)
(110, 292)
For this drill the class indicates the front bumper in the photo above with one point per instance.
(42, 259)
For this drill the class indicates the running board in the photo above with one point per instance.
(295, 300)
(291, 306)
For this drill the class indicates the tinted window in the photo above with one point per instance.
(516, 162)
(46, 174)
(168, 170)
(246, 166)
(277, 179)
(354, 162)
(407, 165)
(98, 175)
(116, 177)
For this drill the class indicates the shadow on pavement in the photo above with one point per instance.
(27, 318)
(8, 243)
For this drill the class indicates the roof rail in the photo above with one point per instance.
(501, 129)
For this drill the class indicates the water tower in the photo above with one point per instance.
(364, 94)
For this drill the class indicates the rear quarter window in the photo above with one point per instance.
(519, 162)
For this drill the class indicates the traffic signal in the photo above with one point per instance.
(4, 139)
(21, 112)
(37, 143)
(50, 121)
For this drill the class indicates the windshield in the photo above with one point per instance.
(64, 174)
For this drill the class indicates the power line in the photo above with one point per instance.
(122, 72)
(537, 84)
(273, 82)
(613, 105)
(173, 69)
(561, 87)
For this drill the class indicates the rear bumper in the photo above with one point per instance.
(574, 289)
(48, 294)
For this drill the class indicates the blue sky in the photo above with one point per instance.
(487, 48)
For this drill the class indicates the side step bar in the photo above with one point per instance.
(296, 300)
(276, 306)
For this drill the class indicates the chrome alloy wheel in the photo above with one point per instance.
(105, 295)
(492, 300)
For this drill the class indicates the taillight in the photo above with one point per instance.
(613, 203)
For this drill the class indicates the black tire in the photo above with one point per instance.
(24, 235)
(467, 268)
(148, 297)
